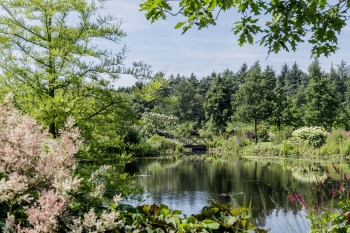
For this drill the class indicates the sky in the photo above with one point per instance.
(202, 51)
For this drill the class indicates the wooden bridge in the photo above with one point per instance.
(194, 143)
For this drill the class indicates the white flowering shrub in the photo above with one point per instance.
(157, 124)
(37, 184)
(314, 136)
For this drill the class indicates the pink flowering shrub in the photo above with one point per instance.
(37, 184)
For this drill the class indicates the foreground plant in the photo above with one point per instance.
(330, 210)
(37, 185)
(214, 218)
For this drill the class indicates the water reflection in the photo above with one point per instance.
(190, 185)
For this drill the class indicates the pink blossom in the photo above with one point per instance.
(43, 216)
(14, 186)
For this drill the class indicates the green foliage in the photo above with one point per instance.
(329, 212)
(218, 106)
(337, 143)
(289, 148)
(235, 144)
(205, 133)
(216, 142)
(283, 27)
(188, 106)
(285, 111)
(163, 145)
(187, 129)
(314, 136)
(323, 104)
(263, 133)
(55, 69)
(214, 218)
(281, 136)
(157, 124)
(254, 99)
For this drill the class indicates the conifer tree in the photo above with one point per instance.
(281, 79)
(218, 105)
(270, 76)
(323, 103)
(294, 80)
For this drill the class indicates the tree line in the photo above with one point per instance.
(253, 95)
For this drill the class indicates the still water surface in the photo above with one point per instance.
(189, 185)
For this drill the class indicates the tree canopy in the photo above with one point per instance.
(278, 25)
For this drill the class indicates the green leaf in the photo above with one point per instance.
(179, 25)
(214, 210)
(237, 211)
(192, 220)
(210, 224)
(242, 39)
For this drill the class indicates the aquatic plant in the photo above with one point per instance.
(330, 210)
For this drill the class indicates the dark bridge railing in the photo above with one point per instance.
(192, 142)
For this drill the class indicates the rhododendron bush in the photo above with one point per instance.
(37, 185)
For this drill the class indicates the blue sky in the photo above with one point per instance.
(202, 51)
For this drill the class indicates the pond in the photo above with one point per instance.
(191, 184)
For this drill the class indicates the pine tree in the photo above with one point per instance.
(241, 74)
(281, 79)
(270, 76)
(293, 80)
(218, 105)
(323, 103)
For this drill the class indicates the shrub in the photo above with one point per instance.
(37, 186)
(249, 134)
(157, 124)
(263, 133)
(280, 136)
(215, 142)
(314, 136)
(235, 144)
(163, 144)
(333, 143)
(288, 148)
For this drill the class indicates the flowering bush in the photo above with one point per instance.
(37, 185)
(157, 124)
(314, 136)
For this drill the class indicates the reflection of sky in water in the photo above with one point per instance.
(189, 186)
(287, 222)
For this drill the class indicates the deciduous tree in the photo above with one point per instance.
(254, 99)
(285, 23)
(50, 60)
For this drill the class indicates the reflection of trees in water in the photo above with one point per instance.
(266, 183)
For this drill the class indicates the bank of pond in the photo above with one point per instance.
(275, 195)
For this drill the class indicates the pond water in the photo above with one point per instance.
(191, 184)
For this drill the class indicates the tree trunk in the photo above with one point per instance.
(256, 132)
